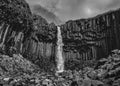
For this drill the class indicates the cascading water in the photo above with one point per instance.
(60, 59)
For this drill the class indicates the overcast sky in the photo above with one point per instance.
(76, 9)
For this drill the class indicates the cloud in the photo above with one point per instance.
(76, 9)
(48, 15)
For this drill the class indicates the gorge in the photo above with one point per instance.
(33, 52)
(84, 40)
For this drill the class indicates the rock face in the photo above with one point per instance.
(26, 33)
(90, 39)
(15, 23)
(40, 46)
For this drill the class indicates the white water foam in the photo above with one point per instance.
(60, 59)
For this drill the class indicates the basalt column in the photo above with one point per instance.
(40, 47)
(87, 40)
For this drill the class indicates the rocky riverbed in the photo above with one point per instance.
(21, 72)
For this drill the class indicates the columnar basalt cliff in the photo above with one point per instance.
(25, 33)
(40, 47)
(15, 25)
(91, 39)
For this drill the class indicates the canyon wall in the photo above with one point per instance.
(87, 40)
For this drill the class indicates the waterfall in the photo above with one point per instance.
(59, 56)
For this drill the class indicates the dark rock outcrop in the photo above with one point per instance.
(26, 33)
(40, 46)
(91, 39)
(15, 25)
